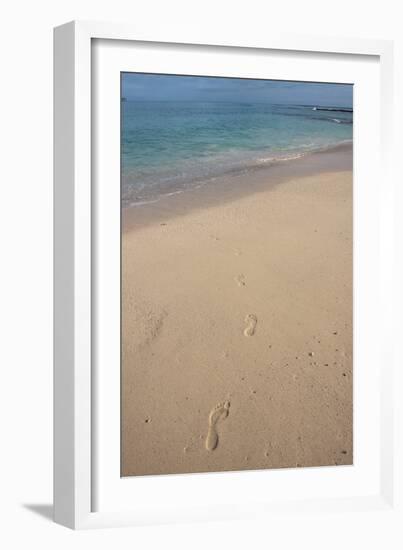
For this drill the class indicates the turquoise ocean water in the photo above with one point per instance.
(168, 147)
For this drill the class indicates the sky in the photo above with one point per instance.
(153, 87)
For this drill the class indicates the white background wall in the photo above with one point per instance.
(26, 263)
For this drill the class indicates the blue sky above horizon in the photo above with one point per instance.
(153, 87)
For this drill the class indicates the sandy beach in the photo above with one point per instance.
(237, 322)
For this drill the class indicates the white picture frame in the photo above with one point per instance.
(85, 493)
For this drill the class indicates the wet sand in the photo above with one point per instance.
(237, 322)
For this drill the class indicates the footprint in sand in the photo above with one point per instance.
(240, 280)
(251, 322)
(145, 321)
(217, 414)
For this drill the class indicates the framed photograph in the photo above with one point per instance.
(223, 275)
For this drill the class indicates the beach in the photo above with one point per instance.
(237, 322)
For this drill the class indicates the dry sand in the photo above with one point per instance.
(237, 323)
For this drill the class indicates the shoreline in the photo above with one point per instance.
(224, 189)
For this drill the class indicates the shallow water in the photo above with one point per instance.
(168, 147)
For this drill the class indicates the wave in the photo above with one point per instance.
(136, 193)
(334, 109)
(313, 114)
